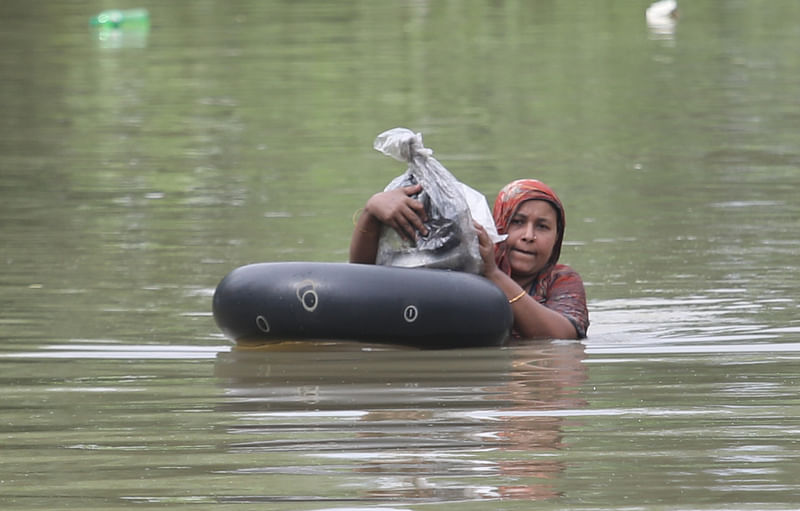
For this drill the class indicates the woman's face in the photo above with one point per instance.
(532, 234)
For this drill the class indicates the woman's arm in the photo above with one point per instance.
(395, 208)
(531, 319)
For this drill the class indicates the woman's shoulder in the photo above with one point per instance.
(566, 294)
(559, 280)
(562, 272)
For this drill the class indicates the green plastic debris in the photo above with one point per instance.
(116, 18)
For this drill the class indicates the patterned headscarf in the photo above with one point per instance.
(507, 203)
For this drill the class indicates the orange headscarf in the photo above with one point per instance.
(506, 205)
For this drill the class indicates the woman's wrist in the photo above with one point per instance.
(366, 222)
(370, 208)
(494, 274)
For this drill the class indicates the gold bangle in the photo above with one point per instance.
(512, 300)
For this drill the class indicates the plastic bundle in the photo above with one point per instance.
(451, 242)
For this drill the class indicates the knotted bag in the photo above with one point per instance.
(451, 242)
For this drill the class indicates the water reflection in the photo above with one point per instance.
(117, 38)
(408, 425)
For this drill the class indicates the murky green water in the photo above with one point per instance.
(137, 169)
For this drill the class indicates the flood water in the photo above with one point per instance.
(138, 167)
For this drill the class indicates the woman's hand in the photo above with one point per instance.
(397, 209)
(486, 247)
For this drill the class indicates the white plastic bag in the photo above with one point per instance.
(452, 242)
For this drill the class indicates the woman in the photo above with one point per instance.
(548, 299)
